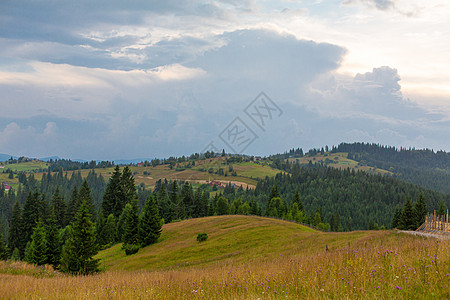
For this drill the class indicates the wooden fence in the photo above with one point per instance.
(435, 223)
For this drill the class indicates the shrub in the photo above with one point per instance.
(201, 237)
(131, 249)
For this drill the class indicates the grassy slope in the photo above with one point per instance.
(246, 172)
(231, 239)
(252, 258)
(340, 161)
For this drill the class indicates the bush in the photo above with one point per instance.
(131, 249)
(201, 237)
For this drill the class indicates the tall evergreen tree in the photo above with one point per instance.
(408, 219)
(222, 207)
(420, 211)
(109, 230)
(72, 207)
(53, 242)
(3, 248)
(85, 196)
(187, 198)
(131, 222)
(114, 197)
(149, 223)
(79, 250)
(59, 207)
(15, 238)
(298, 201)
(36, 252)
(128, 184)
(442, 210)
(396, 219)
(166, 207)
(174, 200)
(32, 212)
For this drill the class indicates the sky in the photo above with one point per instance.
(112, 79)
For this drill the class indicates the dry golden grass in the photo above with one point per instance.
(377, 265)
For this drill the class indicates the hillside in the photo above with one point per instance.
(251, 258)
(231, 240)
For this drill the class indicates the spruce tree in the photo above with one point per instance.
(131, 222)
(441, 211)
(149, 223)
(36, 252)
(109, 230)
(420, 211)
(114, 197)
(396, 219)
(59, 207)
(31, 215)
(3, 248)
(165, 206)
(129, 186)
(15, 238)
(222, 207)
(72, 207)
(85, 196)
(53, 241)
(81, 247)
(408, 219)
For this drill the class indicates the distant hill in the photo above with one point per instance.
(423, 167)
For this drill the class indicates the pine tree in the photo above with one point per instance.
(174, 201)
(109, 230)
(131, 222)
(408, 218)
(420, 211)
(187, 199)
(53, 241)
(165, 206)
(396, 219)
(441, 210)
(149, 223)
(31, 214)
(298, 201)
(73, 206)
(36, 252)
(85, 196)
(128, 184)
(15, 239)
(114, 197)
(81, 247)
(222, 207)
(59, 207)
(3, 249)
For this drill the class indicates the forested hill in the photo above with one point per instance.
(354, 198)
(424, 167)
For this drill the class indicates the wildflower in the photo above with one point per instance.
(398, 288)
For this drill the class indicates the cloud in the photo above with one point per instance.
(379, 4)
(181, 92)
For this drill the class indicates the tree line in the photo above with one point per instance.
(68, 234)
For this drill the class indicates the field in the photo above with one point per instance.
(340, 161)
(252, 258)
(246, 173)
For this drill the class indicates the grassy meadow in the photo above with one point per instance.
(340, 161)
(251, 258)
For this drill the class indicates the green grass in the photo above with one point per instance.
(234, 239)
(340, 161)
(27, 166)
(252, 258)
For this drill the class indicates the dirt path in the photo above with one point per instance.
(434, 235)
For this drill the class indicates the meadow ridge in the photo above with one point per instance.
(248, 257)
